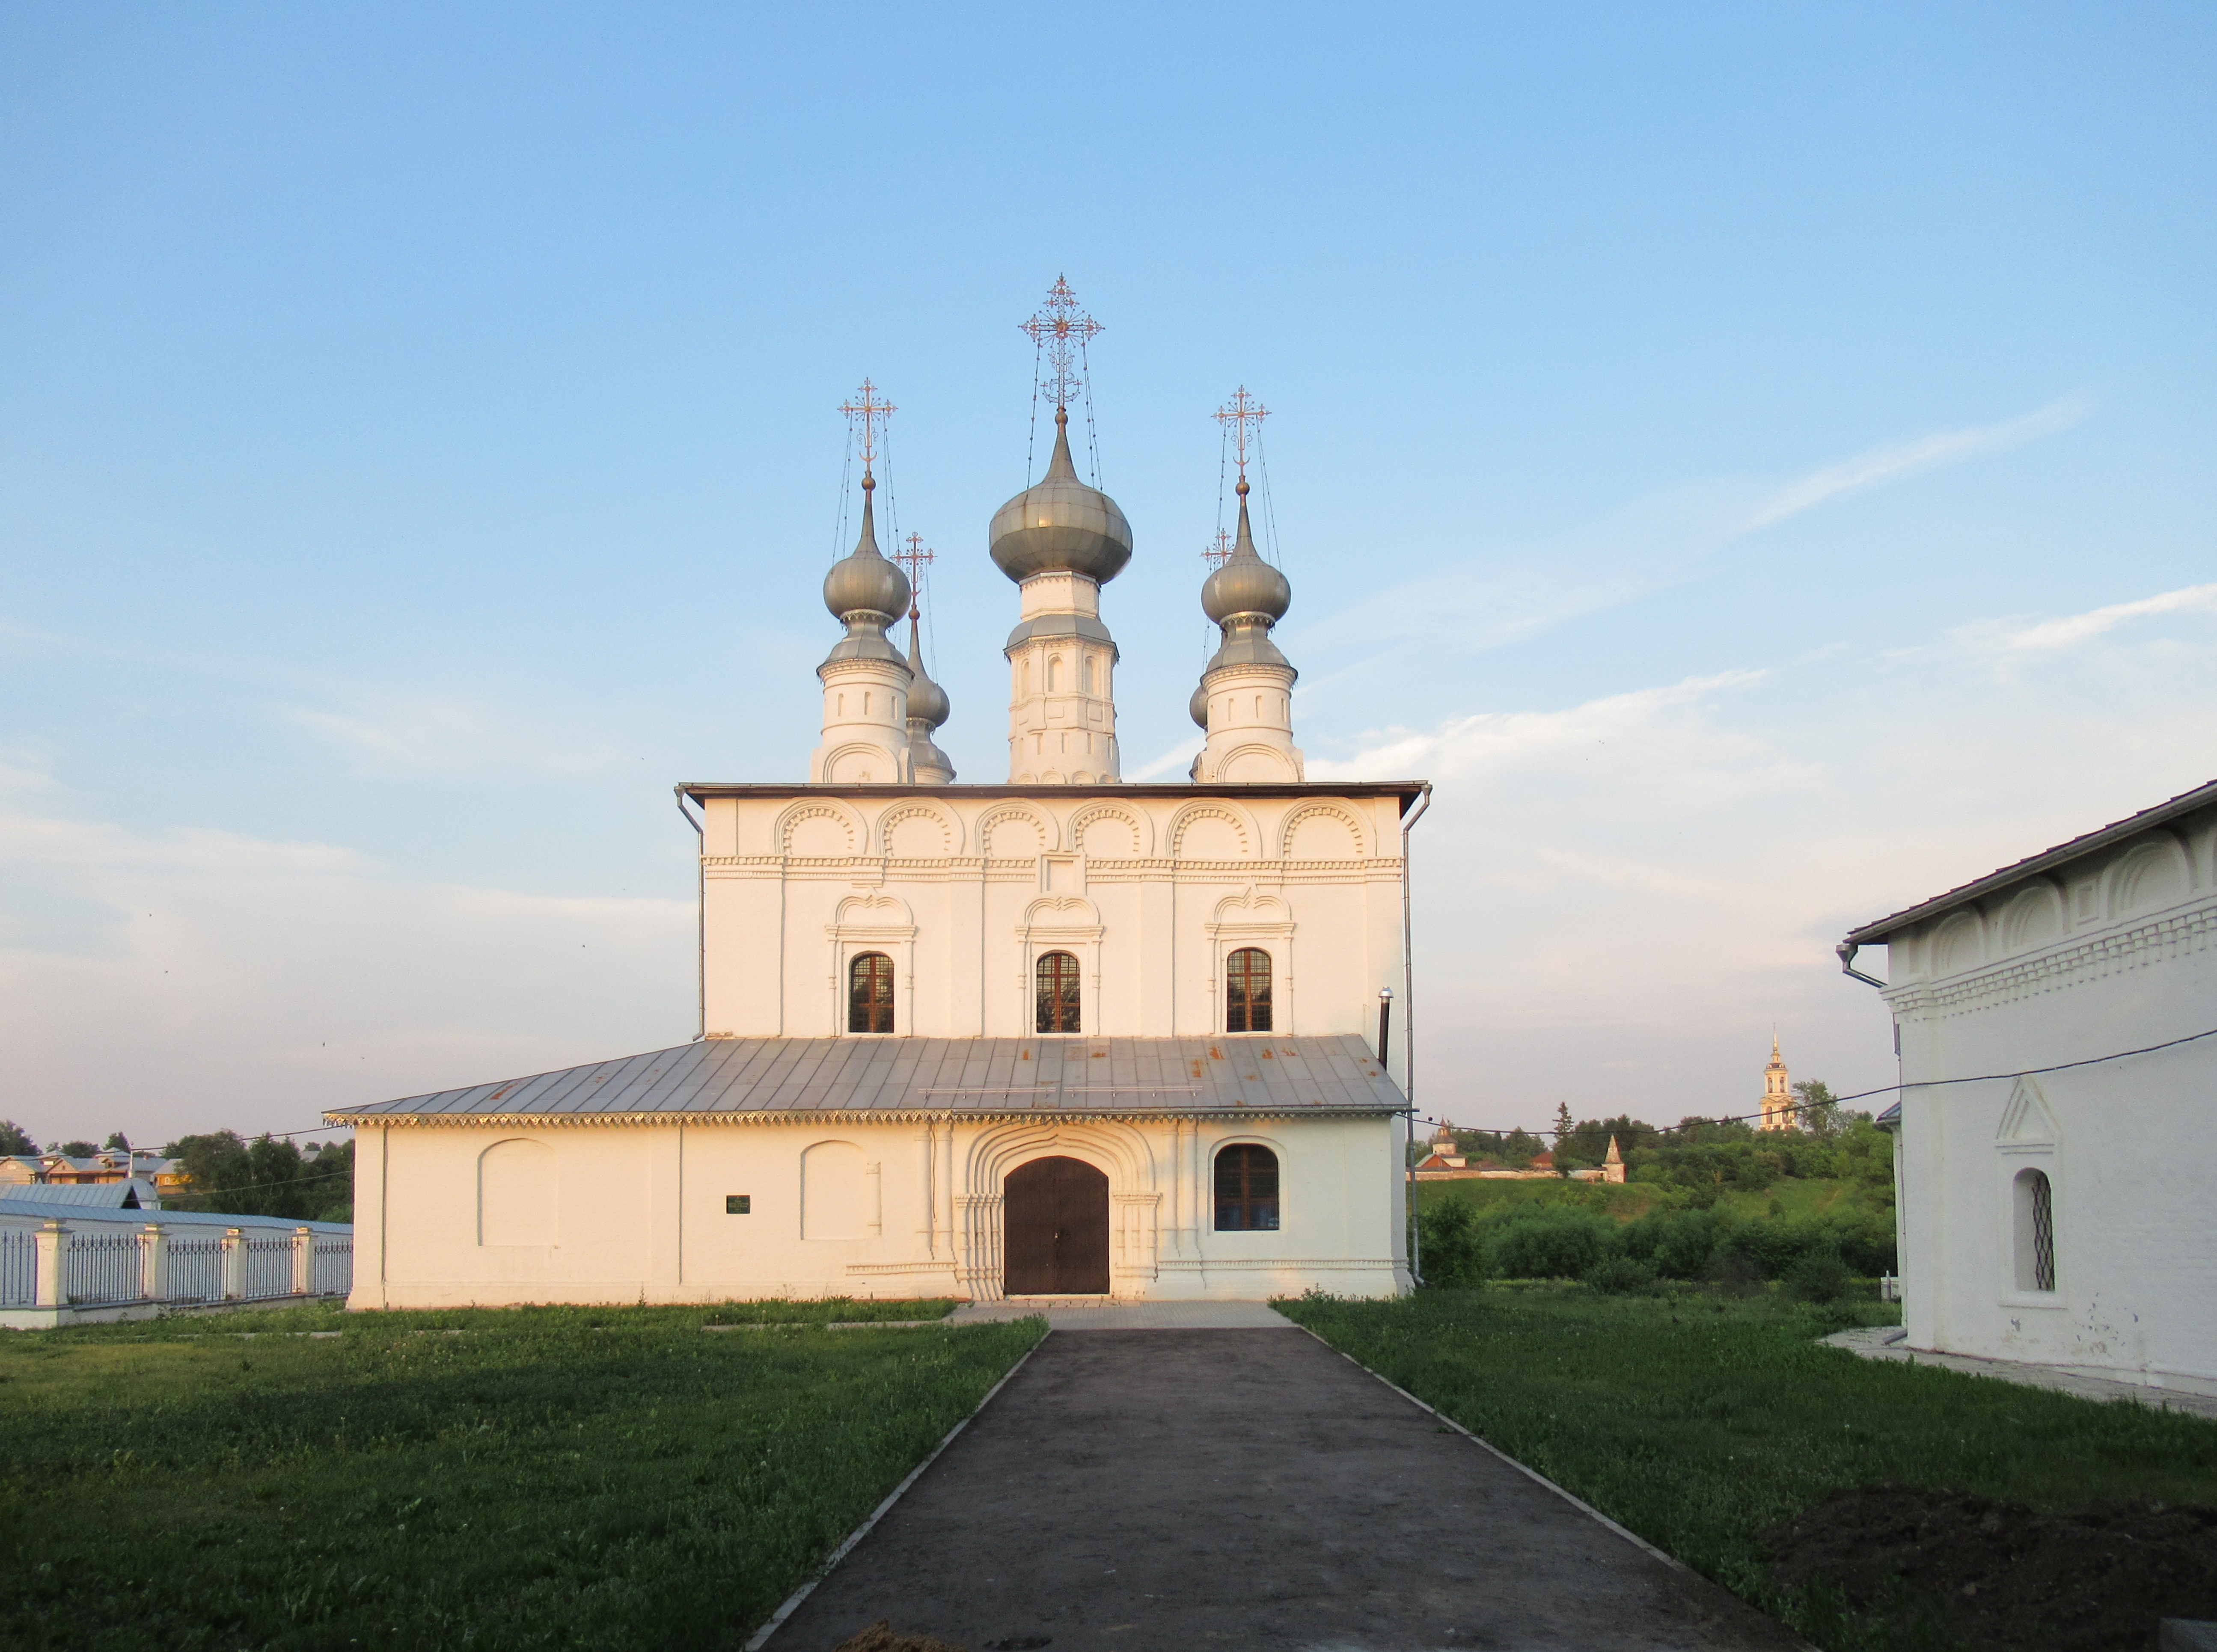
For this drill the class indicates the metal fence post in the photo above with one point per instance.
(304, 1262)
(153, 1262)
(234, 1264)
(52, 1287)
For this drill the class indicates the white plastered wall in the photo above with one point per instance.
(906, 1209)
(1149, 893)
(2115, 951)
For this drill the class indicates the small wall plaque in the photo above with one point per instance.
(738, 1204)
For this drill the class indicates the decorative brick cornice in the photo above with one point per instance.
(2178, 933)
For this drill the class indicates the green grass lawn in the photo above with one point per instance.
(1699, 1420)
(525, 1478)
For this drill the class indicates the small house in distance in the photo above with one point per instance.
(2052, 1159)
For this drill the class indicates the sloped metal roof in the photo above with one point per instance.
(769, 1081)
(1874, 933)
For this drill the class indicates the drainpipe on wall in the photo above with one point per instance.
(700, 914)
(1408, 1041)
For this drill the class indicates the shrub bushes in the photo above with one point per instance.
(1621, 1276)
(1464, 1244)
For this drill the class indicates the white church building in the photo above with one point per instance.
(2053, 1151)
(1059, 1036)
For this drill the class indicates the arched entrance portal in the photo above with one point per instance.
(1055, 1230)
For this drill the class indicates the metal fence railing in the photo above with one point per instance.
(195, 1270)
(102, 1267)
(334, 1267)
(83, 1265)
(268, 1266)
(19, 1270)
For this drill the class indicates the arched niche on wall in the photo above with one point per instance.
(519, 1192)
(2152, 874)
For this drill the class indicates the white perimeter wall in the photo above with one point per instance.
(452, 1215)
(2110, 953)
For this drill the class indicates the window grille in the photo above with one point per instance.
(1247, 991)
(1247, 1189)
(1058, 992)
(2043, 1232)
(870, 994)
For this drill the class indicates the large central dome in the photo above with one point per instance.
(1060, 525)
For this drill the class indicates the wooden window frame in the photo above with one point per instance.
(863, 1015)
(1248, 1195)
(1239, 998)
(1068, 980)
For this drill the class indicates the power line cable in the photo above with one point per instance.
(1859, 1095)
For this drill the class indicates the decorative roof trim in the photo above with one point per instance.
(1874, 934)
(842, 1116)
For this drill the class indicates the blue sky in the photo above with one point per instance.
(1756, 459)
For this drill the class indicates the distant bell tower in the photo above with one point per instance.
(1061, 540)
(1777, 1093)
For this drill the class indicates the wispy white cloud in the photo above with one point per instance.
(1907, 459)
(426, 734)
(2044, 636)
(1661, 539)
(1177, 761)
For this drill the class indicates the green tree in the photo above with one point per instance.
(77, 1149)
(1821, 1113)
(117, 1142)
(14, 1138)
(1562, 1132)
(229, 1174)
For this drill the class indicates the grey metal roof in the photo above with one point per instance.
(136, 1193)
(1871, 934)
(47, 1209)
(769, 1081)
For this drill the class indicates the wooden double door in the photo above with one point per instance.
(1054, 1230)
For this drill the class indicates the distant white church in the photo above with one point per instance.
(2053, 1186)
(1061, 1036)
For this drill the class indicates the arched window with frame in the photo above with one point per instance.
(1247, 1189)
(1057, 974)
(870, 994)
(2036, 1231)
(1247, 991)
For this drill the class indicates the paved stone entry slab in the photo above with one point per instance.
(1180, 1489)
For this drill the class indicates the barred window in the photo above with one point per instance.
(2036, 1231)
(1058, 992)
(1247, 1189)
(870, 994)
(1247, 991)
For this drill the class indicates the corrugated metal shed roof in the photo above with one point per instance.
(137, 1194)
(13, 1210)
(766, 1081)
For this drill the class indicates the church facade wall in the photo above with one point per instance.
(2113, 952)
(626, 1211)
(1152, 894)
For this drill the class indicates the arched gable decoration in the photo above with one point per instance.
(1291, 824)
(1143, 833)
(2033, 918)
(2152, 874)
(518, 1193)
(1959, 943)
(781, 830)
(950, 827)
(1210, 809)
(1049, 839)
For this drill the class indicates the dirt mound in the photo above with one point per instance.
(2094, 1578)
(881, 1637)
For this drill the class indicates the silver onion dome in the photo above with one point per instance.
(1197, 707)
(927, 701)
(1245, 583)
(1060, 525)
(863, 582)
